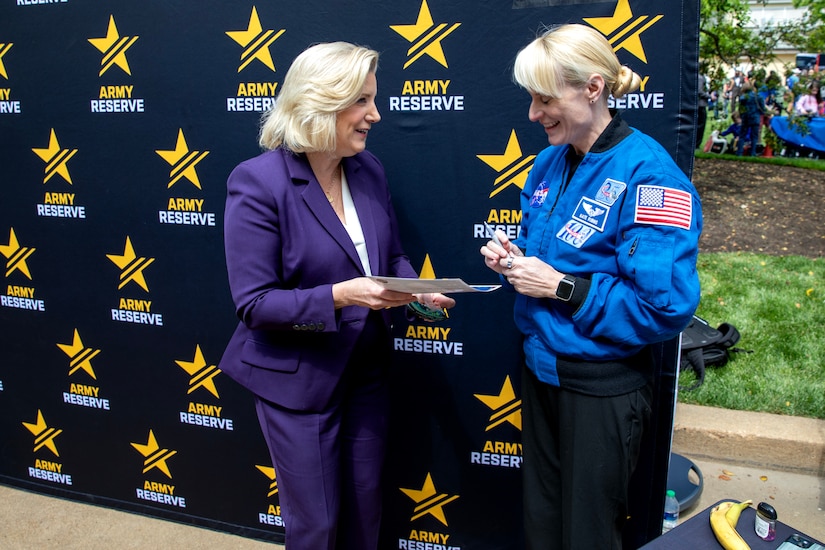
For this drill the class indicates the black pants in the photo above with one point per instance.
(579, 454)
(701, 122)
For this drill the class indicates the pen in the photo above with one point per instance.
(495, 238)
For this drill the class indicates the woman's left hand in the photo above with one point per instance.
(436, 300)
(532, 277)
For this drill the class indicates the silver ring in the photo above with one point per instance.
(509, 263)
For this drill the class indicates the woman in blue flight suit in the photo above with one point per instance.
(604, 266)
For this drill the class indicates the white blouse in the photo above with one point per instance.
(353, 225)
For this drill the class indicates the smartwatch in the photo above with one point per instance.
(566, 287)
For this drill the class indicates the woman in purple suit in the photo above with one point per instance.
(307, 222)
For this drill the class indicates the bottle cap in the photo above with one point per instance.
(766, 510)
(670, 493)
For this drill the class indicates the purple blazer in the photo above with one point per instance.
(285, 247)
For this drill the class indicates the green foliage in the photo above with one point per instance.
(770, 139)
(778, 305)
(813, 39)
(728, 35)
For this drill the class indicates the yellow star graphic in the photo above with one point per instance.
(55, 159)
(269, 472)
(621, 15)
(113, 48)
(258, 41)
(155, 456)
(427, 271)
(43, 435)
(429, 501)
(512, 168)
(182, 161)
(16, 255)
(81, 357)
(131, 266)
(202, 376)
(505, 406)
(4, 49)
(430, 36)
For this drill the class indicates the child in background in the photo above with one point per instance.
(734, 129)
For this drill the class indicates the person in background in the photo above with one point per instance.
(604, 267)
(769, 92)
(713, 103)
(809, 103)
(735, 84)
(701, 108)
(751, 108)
(735, 130)
(726, 98)
(307, 222)
(793, 79)
(788, 102)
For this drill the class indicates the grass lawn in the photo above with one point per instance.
(778, 305)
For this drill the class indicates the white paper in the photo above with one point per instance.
(423, 286)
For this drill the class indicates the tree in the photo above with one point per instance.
(813, 25)
(728, 35)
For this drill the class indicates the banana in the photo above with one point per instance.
(724, 532)
(732, 515)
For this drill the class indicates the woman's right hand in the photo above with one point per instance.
(363, 291)
(495, 256)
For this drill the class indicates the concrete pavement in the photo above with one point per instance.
(776, 459)
(763, 457)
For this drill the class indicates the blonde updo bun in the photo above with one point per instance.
(627, 81)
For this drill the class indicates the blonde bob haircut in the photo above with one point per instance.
(568, 55)
(323, 80)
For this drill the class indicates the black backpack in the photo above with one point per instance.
(705, 346)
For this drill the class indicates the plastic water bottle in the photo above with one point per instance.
(671, 511)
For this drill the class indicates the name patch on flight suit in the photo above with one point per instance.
(592, 213)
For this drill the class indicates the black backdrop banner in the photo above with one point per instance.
(119, 123)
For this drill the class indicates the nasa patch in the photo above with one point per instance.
(539, 195)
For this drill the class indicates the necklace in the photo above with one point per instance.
(330, 196)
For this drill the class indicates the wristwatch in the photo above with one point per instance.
(566, 287)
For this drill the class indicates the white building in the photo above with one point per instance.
(774, 12)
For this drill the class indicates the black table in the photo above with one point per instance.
(695, 534)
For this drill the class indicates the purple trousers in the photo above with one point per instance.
(328, 465)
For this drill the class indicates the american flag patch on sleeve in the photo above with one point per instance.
(663, 206)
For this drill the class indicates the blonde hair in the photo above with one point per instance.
(568, 55)
(323, 80)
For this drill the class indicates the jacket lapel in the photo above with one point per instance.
(316, 201)
(364, 204)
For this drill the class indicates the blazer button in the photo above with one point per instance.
(321, 326)
(296, 326)
(311, 327)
